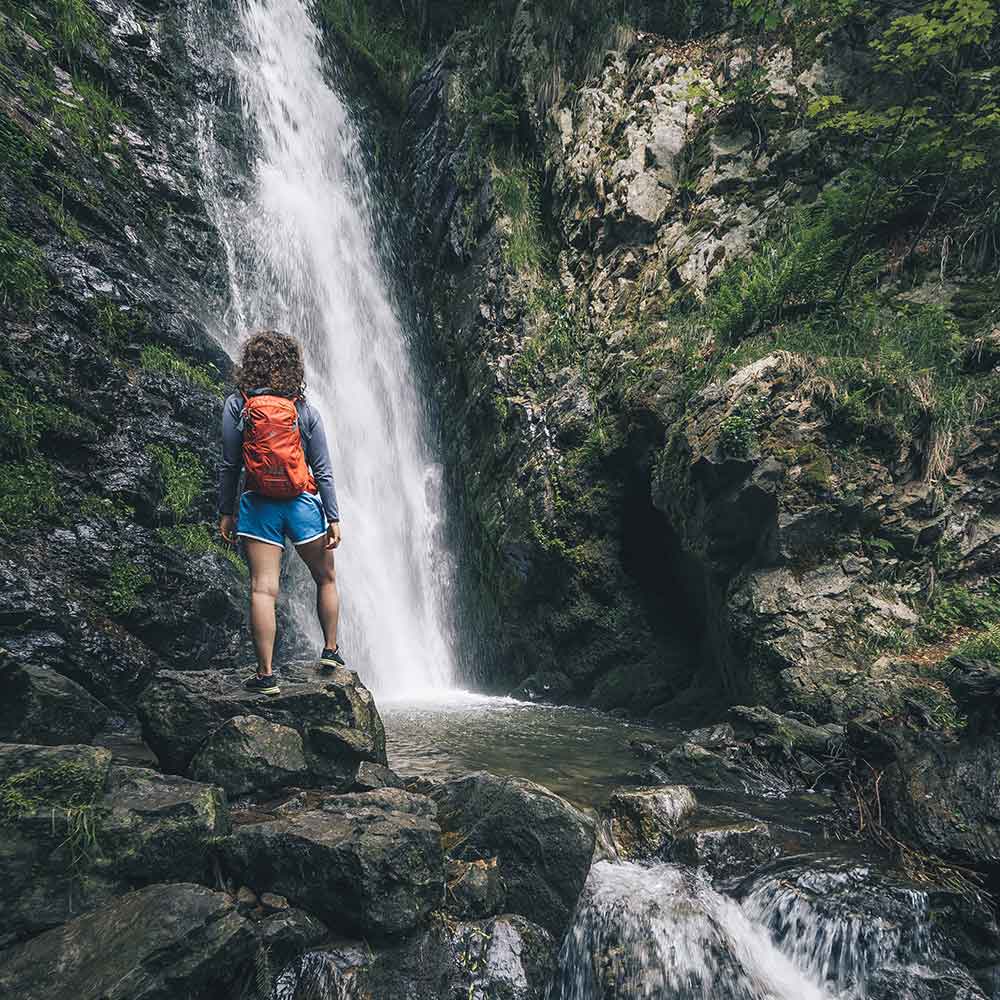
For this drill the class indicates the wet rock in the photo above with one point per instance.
(248, 753)
(159, 943)
(642, 821)
(333, 712)
(42, 706)
(724, 769)
(78, 830)
(725, 851)
(505, 958)
(286, 933)
(366, 863)
(945, 800)
(975, 686)
(371, 776)
(474, 889)
(786, 733)
(941, 982)
(544, 846)
(153, 827)
(547, 685)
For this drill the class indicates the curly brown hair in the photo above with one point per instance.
(271, 360)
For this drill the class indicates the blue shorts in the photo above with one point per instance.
(302, 519)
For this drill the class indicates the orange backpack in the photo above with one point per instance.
(272, 448)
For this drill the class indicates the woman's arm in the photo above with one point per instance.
(232, 455)
(318, 456)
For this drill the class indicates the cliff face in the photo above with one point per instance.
(700, 398)
(109, 381)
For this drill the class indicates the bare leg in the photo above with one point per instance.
(265, 572)
(319, 559)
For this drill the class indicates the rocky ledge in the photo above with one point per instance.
(286, 852)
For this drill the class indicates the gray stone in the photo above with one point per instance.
(368, 863)
(78, 830)
(474, 889)
(725, 851)
(42, 706)
(159, 943)
(248, 753)
(333, 712)
(643, 821)
(543, 844)
(371, 776)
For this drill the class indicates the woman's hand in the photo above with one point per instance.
(333, 534)
(227, 528)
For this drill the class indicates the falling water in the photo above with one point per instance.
(651, 933)
(302, 257)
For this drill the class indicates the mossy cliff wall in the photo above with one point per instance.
(718, 398)
(110, 384)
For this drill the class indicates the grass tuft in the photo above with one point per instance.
(183, 476)
(155, 358)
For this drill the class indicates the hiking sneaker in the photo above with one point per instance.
(267, 684)
(331, 659)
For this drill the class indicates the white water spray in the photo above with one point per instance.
(302, 257)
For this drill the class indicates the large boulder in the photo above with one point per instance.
(159, 943)
(503, 958)
(333, 713)
(248, 753)
(42, 706)
(642, 821)
(78, 830)
(544, 846)
(946, 801)
(368, 863)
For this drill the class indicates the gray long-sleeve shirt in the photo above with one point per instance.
(313, 444)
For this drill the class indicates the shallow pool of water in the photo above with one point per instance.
(579, 754)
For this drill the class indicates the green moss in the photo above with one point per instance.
(517, 192)
(198, 539)
(183, 477)
(66, 785)
(115, 324)
(23, 283)
(954, 606)
(77, 27)
(24, 420)
(984, 645)
(91, 117)
(65, 222)
(106, 509)
(161, 359)
(27, 495)
(126, 581)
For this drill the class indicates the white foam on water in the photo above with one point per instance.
(302, 256)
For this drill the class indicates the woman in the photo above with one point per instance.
(270, 430)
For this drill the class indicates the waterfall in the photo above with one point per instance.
(301, 244)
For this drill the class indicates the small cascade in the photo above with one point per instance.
(841, 921)
(662, 932)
